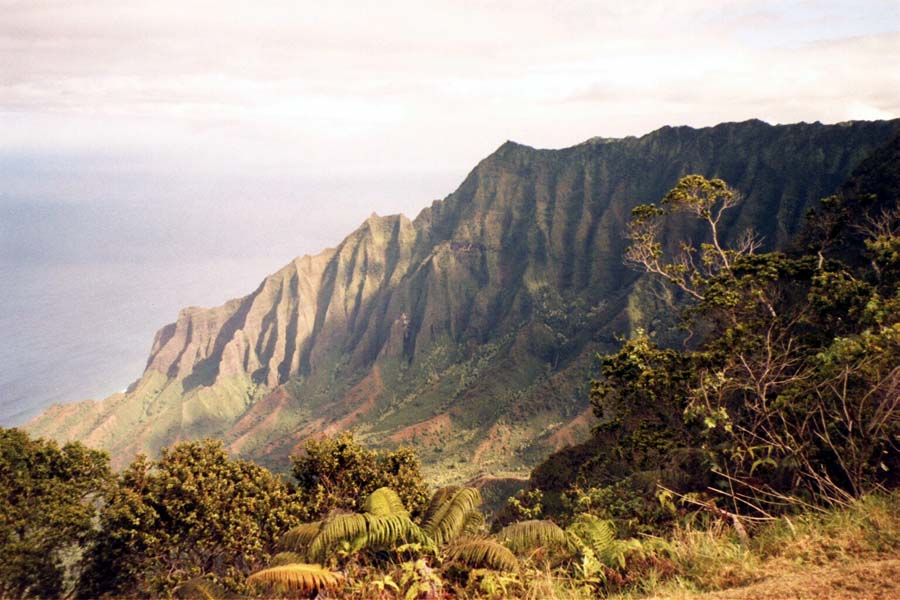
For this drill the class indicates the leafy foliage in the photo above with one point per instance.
(338, 473)
(482, 553)
(299, 577)
(527, 504)
(193, 512)
(596, 539)
(419, 580)
(298, 538)
(449, 513)
(475, 524)
(438, 501)
(286, 558)
(526, 536)
(48, 499)
(386, 526)
(199, 588)
(384, 502)
(788, 388)
(363, 531)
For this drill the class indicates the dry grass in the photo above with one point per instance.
(870, 528)
(851, 553)
(866, 580)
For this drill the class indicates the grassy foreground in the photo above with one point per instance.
(845, 553)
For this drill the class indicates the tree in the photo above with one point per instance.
(338, 473)
(48, 499)
(796, 373)
(192, 513)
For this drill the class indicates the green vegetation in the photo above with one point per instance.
(48, 497)
(382, 552)
(829, 548)
(764, 444)
(193, 513)
(338, 473)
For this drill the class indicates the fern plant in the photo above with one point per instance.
(384, 502)
(450, 513)
(437, 500)
(526, 536)
(198, 588)
(339, 528)
(385, 524)
(363, 532)
(297, 577)
(286, 558)
(300, 537)
(596, 541)
(482, 553)
(475, 523)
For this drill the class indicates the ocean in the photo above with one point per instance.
(84, 330)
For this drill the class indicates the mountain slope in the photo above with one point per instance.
(469, 332)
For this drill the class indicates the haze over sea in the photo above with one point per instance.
(89, 278)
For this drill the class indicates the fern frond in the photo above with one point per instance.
(437, 501)
(525, 536)
(475, 523)
(384, 502)
(449, 517)
(287, 558)
(483, 553)
(364, 531)
(391, 530)
(198, 588)
(303, 578)
(599, 535)
(339, 528)
(300, 537)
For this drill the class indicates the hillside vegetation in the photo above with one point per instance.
(469, 332)
(757, 460)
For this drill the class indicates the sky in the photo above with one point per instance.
(166, 153)
(96, 94)
(167, 129)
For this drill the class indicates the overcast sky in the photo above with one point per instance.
(234, 104)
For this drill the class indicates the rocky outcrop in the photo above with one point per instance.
(469, 331)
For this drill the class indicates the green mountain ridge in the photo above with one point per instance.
(469, 332)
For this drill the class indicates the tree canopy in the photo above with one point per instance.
(48, 503)
(338, 473)
(194, 512)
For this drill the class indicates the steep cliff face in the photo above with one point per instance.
(469, 331)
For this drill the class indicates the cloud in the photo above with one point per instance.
(410, 85)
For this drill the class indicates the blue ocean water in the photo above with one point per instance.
(76, 331)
